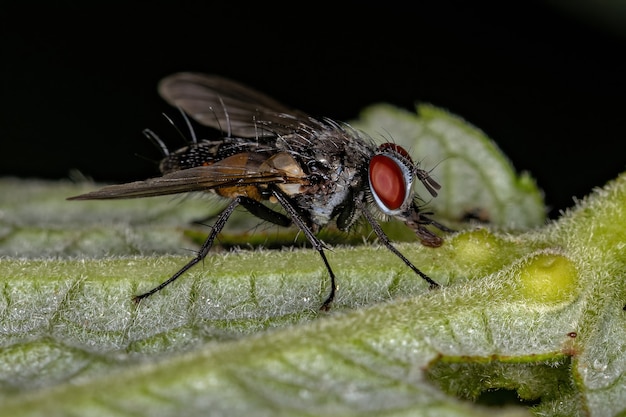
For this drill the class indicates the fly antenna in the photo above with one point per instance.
(429, 183)
(427, 180)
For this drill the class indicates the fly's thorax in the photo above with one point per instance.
(337, 167)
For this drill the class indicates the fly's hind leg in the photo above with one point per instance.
(204, 249)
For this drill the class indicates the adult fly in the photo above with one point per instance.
(318, 170)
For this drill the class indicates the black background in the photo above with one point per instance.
(547, 84)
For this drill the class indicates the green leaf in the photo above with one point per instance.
(530, 319)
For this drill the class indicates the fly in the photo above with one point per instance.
(317, 170)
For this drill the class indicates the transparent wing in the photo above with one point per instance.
(229, 172)
(231, 107)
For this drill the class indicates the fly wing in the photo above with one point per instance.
(230, 172)
(230, 107)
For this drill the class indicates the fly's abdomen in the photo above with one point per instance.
(194, 155)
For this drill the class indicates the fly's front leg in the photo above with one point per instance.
(384, 239)
(202, 253)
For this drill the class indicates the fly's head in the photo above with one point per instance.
(391, 175)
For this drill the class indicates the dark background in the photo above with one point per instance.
(545, 82)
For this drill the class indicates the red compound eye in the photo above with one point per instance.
(387, 182)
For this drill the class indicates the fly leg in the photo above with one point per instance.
(202, 253)
(317, 244)
(263, 212)
(259, 210)
(385, 241)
